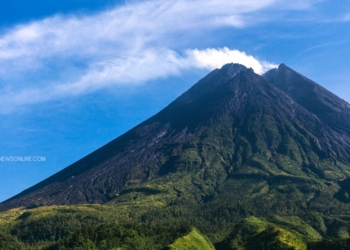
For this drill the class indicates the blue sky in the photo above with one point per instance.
(76, 74)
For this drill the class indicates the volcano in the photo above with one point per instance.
(239, 161)
(254, 138)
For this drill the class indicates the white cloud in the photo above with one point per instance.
(128, 26)
(215, 58)
(71, 55)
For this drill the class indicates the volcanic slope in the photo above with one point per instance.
(234, 138)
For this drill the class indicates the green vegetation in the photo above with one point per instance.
(9, 242)
(274, 238)
(328, 243)
(112, 227)
(194, 240)
(127, 236)
(271, 233)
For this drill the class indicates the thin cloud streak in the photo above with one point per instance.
(321, 46)
(120, 46)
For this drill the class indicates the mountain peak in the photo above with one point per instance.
(232, 69)
(282, 66)
(329, 108)
(218, 78)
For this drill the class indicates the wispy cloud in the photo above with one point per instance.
(149, 65)
(71, 55)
